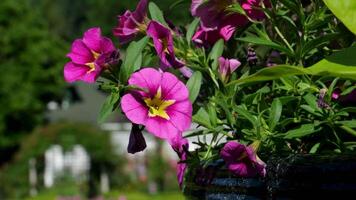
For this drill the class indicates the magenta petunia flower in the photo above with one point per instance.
(216, 22)
(89, 56)
(164, 108)
(208, 38)
(163, 43)
(180, 145)
(131, 23)
(242, 160)
(227, 67)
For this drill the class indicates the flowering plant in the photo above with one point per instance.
(256, 76)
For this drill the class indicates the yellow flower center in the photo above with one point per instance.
(164, 42)
(157, 106)
(91, 65)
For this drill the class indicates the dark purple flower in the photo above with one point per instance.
(180, 145)
(242, 160)
(137, 142)
(131, 23)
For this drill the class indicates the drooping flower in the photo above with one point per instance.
(164, 107)
(131, 23)
(227, 67)
(163, 43)
(217, 22)
(242, 160)
(89, 55)
(137, 142)
(180, 145)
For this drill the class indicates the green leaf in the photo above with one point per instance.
(108, 107)
(348, 123)
(317, 42)
(247, 115)
(315, 148)
(304, 130)
(212, 115)
(265, 42)
(216, 52)
(275, 113)
(191, 30)
(202, 118)
(348, 90)
(341, 64)
(312, 101)
(345, 11)
(133, 59)
(156, 13)
(193, 85)
(270, 73)
(236, 8)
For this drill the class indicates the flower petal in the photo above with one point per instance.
(92, 38)
(147, 78)
(180, 115)
(74, 72)
(141, 11)
(106, 45)
(134, 110)
(172, 88)
(161, 128)
(80, 53)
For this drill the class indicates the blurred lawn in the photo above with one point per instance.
(130, 195)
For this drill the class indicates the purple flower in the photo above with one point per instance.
(164, 107)
(217, 22)
(227, 67)
(131, 23)
(137, 142)
(163, 43)
(89, 56)
(242, 160)
(180, 145)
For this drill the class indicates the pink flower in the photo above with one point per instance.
(130, 24)
(180, 145)
(227, 67)
(242, 160)
(89, 56)
(164, 108)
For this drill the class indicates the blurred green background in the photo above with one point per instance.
(35, 36)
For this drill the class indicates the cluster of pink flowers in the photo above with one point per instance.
(162, 104)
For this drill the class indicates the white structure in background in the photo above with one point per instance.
(77, 162)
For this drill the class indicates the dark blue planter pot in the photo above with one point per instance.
(225, 186)
(312, 176)
(290, 177)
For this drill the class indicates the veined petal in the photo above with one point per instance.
(92, 39)
(80, 53)
(134, 110)
(172, 88)
(74, 72)
(180, 114)
(161, 128)
(147, 78)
